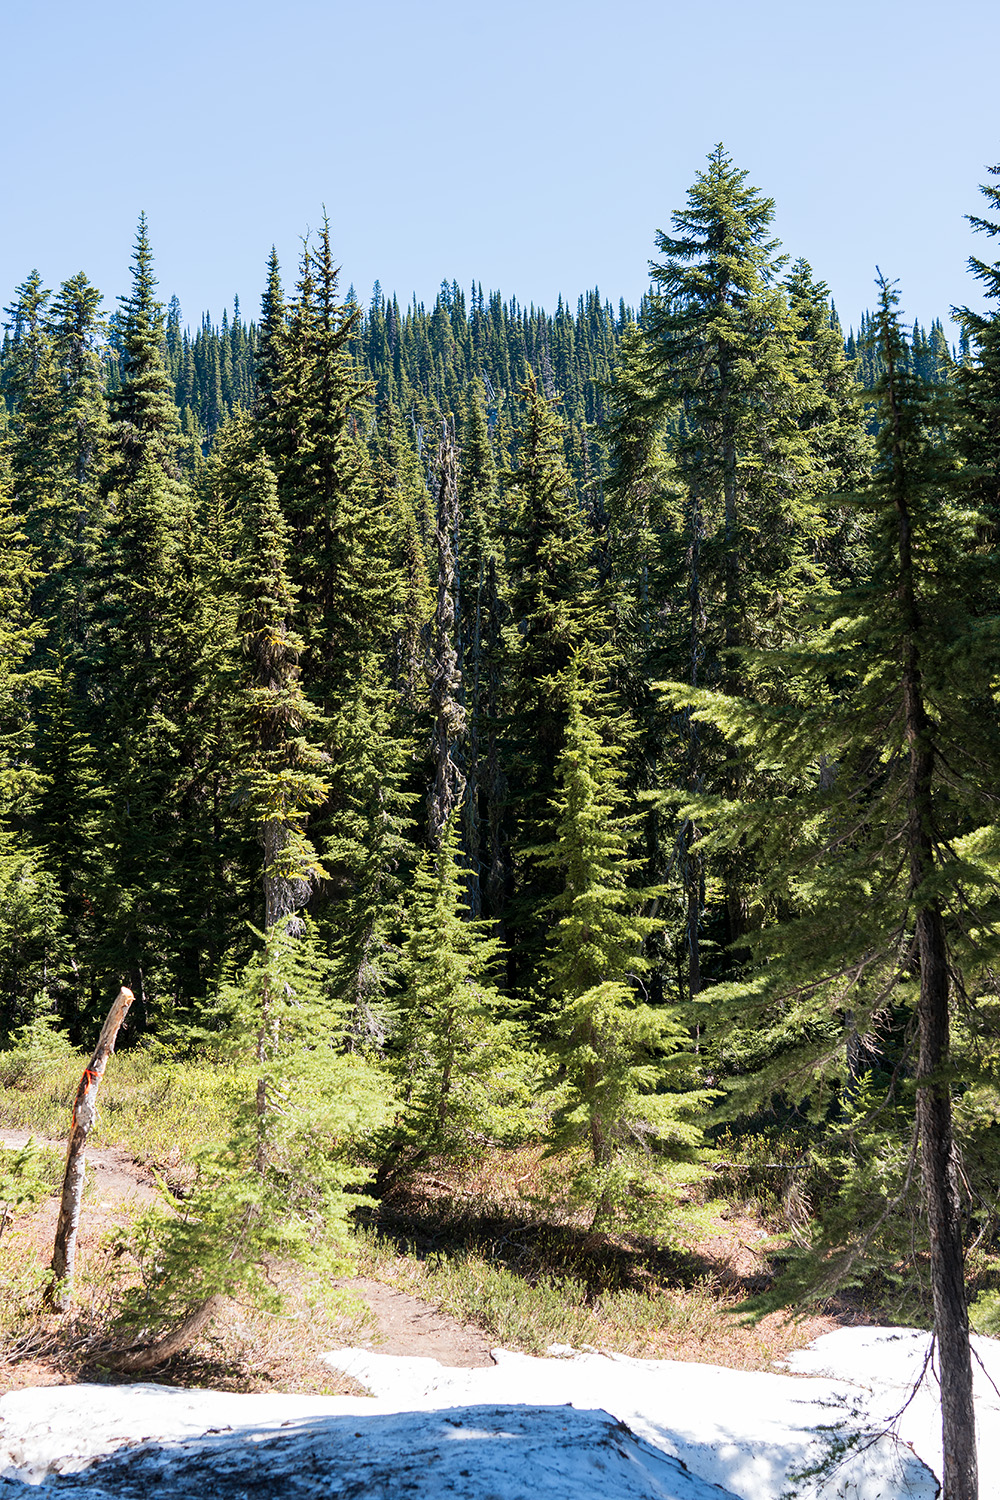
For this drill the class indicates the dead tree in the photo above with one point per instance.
(446, 680)
(60, 1293)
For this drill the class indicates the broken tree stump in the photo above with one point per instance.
(60, 1293)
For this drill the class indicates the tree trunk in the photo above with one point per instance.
(691, 869)
(934, 1115)
(496, 786)
(449, 715)
(940, 1184)
(471, 812)
(174, 1342)
(60, 1292)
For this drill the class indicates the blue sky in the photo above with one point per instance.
(534, 145)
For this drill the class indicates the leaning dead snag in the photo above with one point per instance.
(84, 1115)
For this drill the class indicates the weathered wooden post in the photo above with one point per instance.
(60, 1293)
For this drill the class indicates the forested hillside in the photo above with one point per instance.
(584, 723)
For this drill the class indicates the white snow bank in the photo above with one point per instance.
(524, 1427)
(749, 1432)
(885, 1364)
(470, 1453)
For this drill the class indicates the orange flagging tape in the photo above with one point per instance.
(88, 1074)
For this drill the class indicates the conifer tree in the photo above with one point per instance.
(456, 1061)
(613, 1051)
(735, 375)
(875, 831)
(79, 517)
(481, 609)
(144, 421)
(283, 771)
(446, 686)
(555, 610)
(29, 904)
(270, 352)
(368, 848)
(164, 715)
(978, 378)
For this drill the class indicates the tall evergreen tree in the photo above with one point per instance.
(555, 610)
(144, 421)
(875, 828)
(978, 378)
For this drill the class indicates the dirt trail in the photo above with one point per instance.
(408, 1325)
(403, 1324)
(117, 1179)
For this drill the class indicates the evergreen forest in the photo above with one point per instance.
(491, 726)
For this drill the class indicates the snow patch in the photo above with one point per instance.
(571, 1425)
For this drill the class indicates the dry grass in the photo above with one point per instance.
(485, 1246)
(158, 1112)
(488, 1243)
(246, 1349)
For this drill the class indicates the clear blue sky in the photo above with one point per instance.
(534, 145)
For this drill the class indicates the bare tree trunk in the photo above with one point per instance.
(693, 873)
(471, 816)
(60, 1293)
(938, 1163)
(449, 720)
(940, 1183)
(496, 786)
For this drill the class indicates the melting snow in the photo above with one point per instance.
(568, 1426)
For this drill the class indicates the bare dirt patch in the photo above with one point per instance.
(408, 1325)
(245, 1350)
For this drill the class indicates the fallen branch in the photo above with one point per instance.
(60, 1291)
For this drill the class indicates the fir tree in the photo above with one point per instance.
(144, 421)
(446, 686)
(555, 610)
(282, 774)
(978, 378)
(458, 1070)
(874, 832)
(614, 1052)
